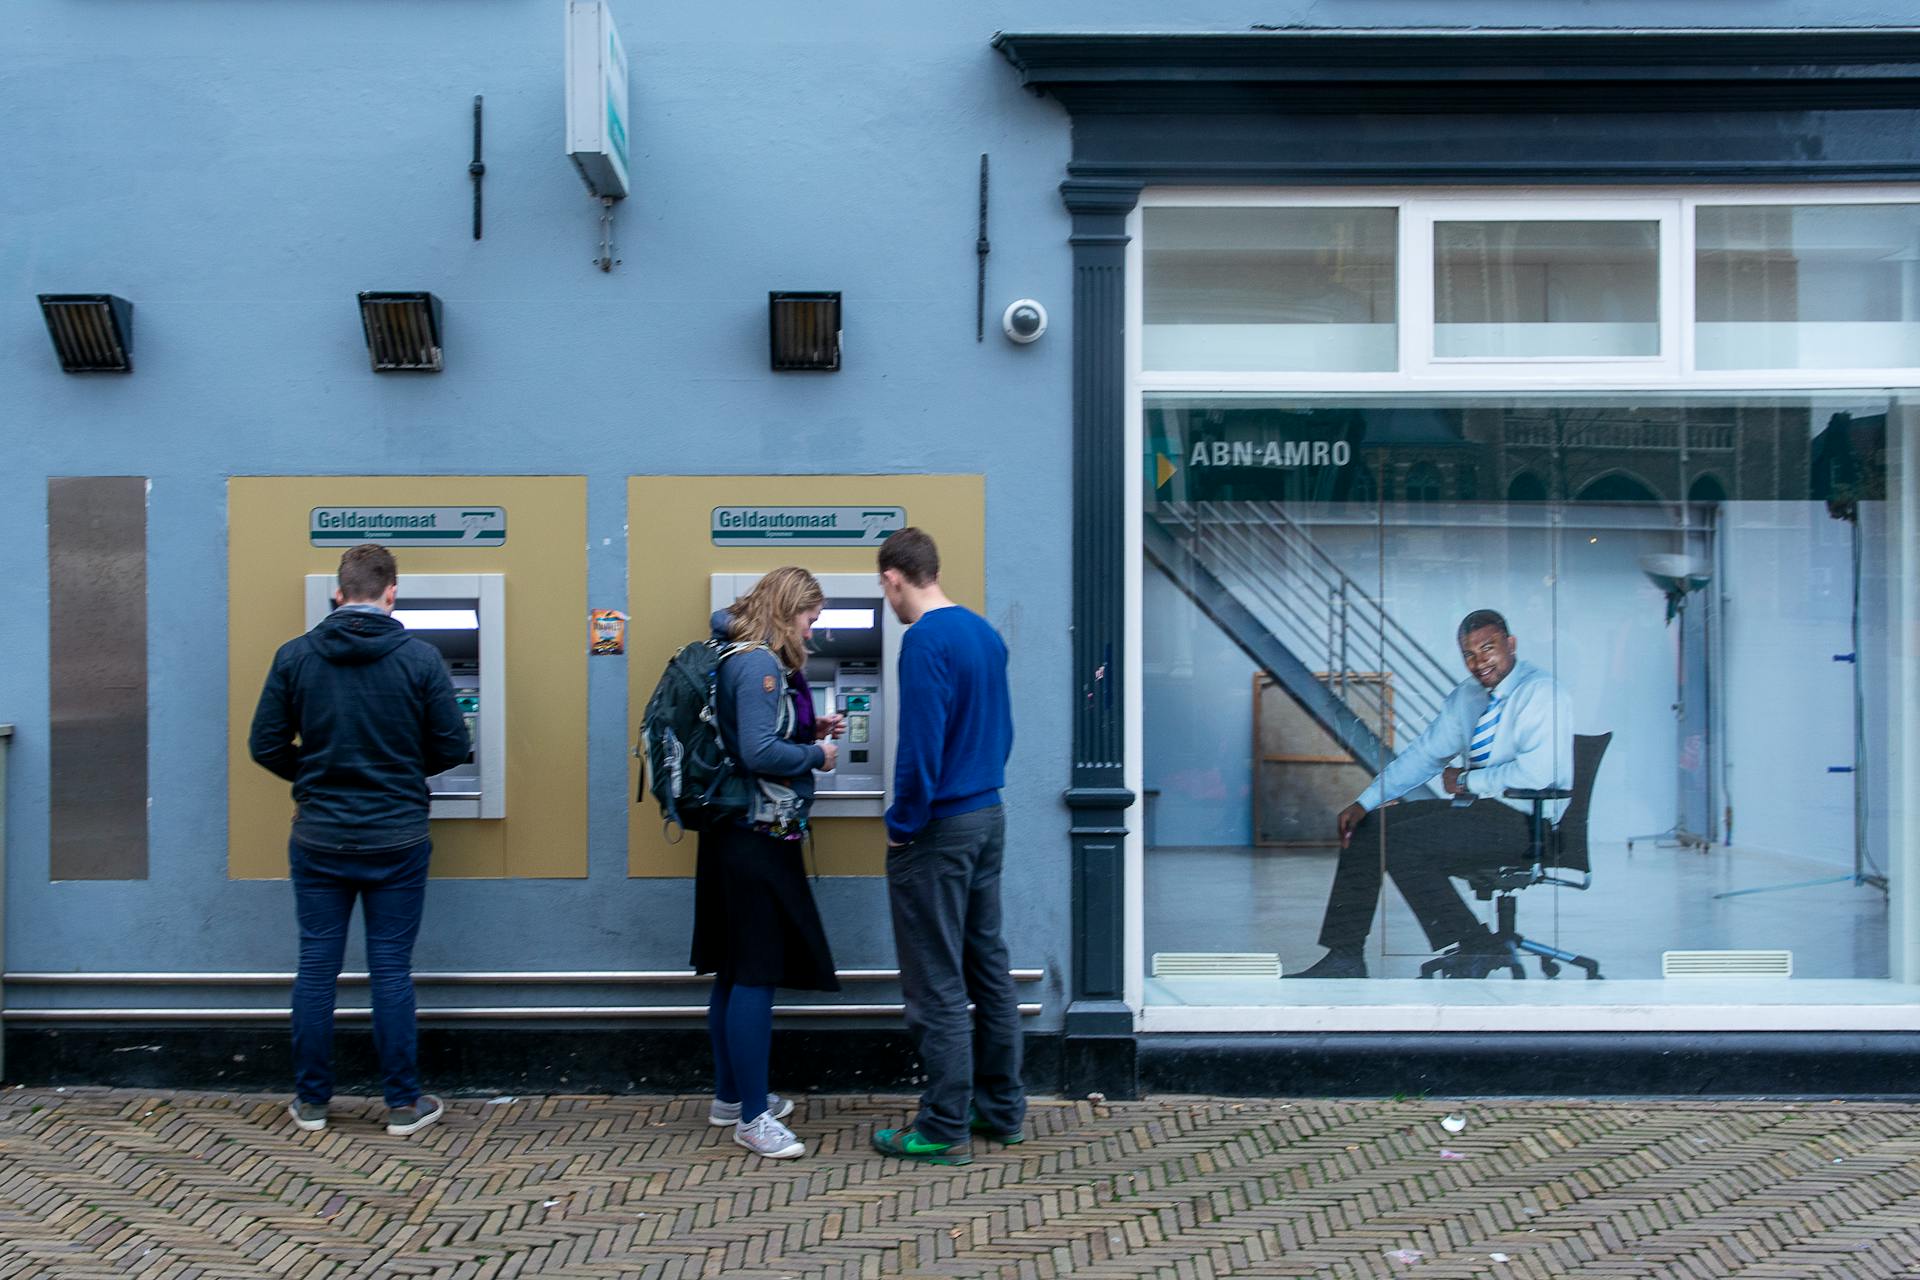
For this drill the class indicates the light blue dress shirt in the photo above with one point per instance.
(1532, 744)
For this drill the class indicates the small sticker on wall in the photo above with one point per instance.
(607, 631)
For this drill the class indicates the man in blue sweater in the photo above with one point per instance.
(946, 833)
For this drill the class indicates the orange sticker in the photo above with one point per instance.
(606, 631)
(767, 684)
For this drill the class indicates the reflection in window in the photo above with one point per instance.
(1423, 483)
(1363, 490)
(1269, 289)
(1615, 486)
(1707, 488)
(1719, 551)
(1526, 487)
(1518, 290)
(1807, 286)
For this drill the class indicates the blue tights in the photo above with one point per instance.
(740, 1020)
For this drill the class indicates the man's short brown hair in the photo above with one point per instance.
(366, 571)
(912, 552)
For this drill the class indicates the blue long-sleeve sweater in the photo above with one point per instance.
(956, 721)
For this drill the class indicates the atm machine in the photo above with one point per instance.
(463, 615)
(853, 669)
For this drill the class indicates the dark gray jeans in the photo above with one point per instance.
(945, 891)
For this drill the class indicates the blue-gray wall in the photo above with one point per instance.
(240, 169)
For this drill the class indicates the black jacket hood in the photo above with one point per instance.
(353, 637)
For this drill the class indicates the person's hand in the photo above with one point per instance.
(832, 752)
(1349, 819)
(829, 726)
(1453, 781)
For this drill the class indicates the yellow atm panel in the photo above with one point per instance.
(525, 543)
(690, 536)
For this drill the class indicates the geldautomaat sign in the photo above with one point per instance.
(806, 526)
(408, 526)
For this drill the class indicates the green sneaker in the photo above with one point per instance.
(909, 1145)
(976, 1125)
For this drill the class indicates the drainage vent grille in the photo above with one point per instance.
(1216, 964)
(1726, 964)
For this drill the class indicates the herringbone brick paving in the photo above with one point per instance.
(113, 1183)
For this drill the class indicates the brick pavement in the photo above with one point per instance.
(119, 1183)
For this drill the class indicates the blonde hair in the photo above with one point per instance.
(767, 612)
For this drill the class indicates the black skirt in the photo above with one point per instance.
(754, 920)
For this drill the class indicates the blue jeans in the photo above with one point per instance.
(391, 887)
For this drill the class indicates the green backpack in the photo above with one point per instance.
(688, 768)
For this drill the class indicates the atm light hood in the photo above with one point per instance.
(438, 619)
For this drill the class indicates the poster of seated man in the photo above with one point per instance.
(1508, 725)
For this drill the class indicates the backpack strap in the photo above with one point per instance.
(732, 648)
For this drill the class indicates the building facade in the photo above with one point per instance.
(1353, 327)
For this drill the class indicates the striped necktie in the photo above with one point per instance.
(1482, 747)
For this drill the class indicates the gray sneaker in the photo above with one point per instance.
(765, 1136)
(726, 1113)
(402, 1121)
(311, 1116)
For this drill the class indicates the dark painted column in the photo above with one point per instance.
(1100, 1049)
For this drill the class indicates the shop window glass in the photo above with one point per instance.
(1423, 483)
(1706, 596)
(1526, 487)
(1807, 286)
(1269, 289)
(1548, 289)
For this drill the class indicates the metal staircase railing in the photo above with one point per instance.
(1289, 605)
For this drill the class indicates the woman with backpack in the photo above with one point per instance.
(755, 926)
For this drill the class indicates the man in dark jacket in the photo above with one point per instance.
(357, 715)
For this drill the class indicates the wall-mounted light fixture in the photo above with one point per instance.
(805, 331)
(92, 332)
(403, 331)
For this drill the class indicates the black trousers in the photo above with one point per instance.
(1421, 844)
(945, 892)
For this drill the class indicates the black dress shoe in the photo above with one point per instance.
(1335, 964)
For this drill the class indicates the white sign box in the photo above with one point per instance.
(596, 98)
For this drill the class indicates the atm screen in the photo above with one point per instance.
(846, 629)
(468, 700)
(452, 627)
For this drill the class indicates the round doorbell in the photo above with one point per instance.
(1025, 320)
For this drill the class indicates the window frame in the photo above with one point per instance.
(1416, 210)
(1854, 1005)
(1418, 219)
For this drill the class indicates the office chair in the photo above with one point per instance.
(1561, 847)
